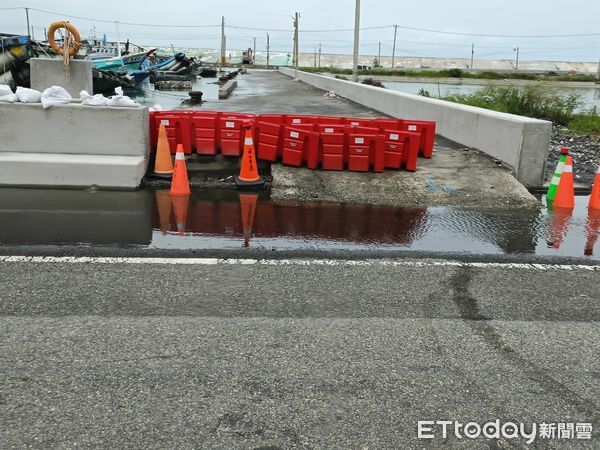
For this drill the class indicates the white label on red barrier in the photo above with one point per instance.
(359, 140)
(294, 134)
(164, 122)
(229, 134)
(229, 125)
(393, 146)
(360, 150)
(296, 121)
(293, 144)
(412, 128)
(328, 130)
(394, 137)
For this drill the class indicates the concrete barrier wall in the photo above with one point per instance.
(50, 72)
(519, 142)
(73, 145)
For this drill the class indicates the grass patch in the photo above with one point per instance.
(454, 73)
(585, 124)
(529, 102)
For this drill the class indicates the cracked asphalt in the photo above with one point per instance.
(291, 356)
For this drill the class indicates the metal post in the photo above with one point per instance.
(118, 39)
(267, 50)
(472, 54)
(254, 52)
(320, 55)
(379, 56)
(394, 47)
(599, 69)
(315, 61)
(356, 41)
(27, 16)
(222, 40)
(517, 63)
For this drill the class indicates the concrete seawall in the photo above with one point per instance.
(73, 145)
(521, 143)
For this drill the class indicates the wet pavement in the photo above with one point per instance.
(221, 221)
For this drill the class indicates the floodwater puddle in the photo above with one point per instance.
(230, 220)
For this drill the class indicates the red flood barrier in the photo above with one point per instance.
(231, 137)
(205, 132)
(178, 130)
(365, 151)
(300, 146)
(427, 132)
(332, 146)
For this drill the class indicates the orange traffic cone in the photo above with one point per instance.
(248, 206)
(163, 204)
(565, 195)
(559, 226)
(180, 208)
(180, 184)
(249, 176)
(595, 195)
(163, 164)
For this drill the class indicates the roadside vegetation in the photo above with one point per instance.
(454, 73)
(533, 102)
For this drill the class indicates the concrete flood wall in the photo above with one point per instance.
(73, 145)
(521, 143)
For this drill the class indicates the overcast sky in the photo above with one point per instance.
(490, 17)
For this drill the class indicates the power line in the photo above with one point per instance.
(523, 36)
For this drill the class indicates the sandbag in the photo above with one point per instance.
(92, 100)
(27, 95)
(55, 95)
(120, 100)
(7, 95)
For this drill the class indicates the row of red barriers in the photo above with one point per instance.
(360, 144)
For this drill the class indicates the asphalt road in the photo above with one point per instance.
(286, 354)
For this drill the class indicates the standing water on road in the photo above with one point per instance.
(228, 220)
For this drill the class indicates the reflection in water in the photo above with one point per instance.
(230, 220)
(559, 225)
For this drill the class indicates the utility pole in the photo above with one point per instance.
(598, 69)
(222, 40)
(315, 62)
(472, 54)
(296, 47)
(379, 56)
(394, 47)
(267, 50)
(356, 41)
(254, 52)
(27, 16)
(320, 55)
(517, 64)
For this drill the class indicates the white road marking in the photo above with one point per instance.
(291, 262)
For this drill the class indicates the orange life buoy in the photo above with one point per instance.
(76, 40)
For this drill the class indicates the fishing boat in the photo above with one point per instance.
(13, 56)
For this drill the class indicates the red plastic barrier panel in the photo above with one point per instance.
(300, 146)
(205, 132)
(387, 124)
(332, 146)
(231, 134)
(153, 131)
(366, 151)
(427, 131)
(330, 120)
(394, 149)
(269, 140)
(177, 125)
(411, 154)
(302, 122)
(359, 122)
(272, 118)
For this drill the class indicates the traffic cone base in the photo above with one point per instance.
(249, 177)
(163, 164)
(180, 184)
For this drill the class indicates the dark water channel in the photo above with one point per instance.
(225, 220)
